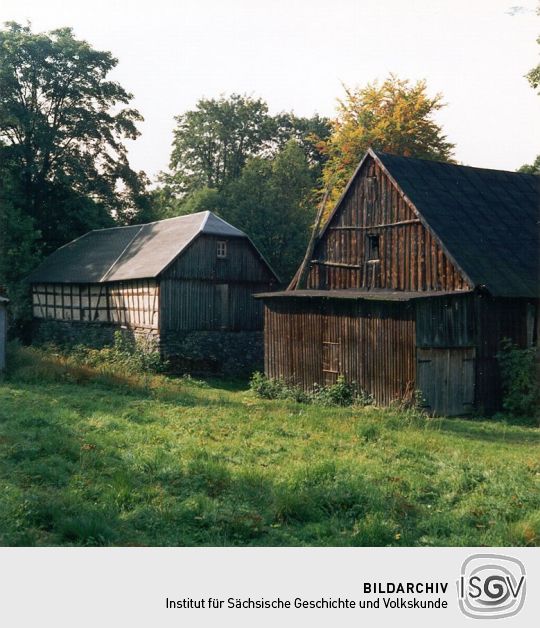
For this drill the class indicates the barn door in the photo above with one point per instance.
(446, 380)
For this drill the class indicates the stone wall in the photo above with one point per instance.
(231, 353)
(96, 335)
(200, 352)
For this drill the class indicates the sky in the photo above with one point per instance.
(298, 54)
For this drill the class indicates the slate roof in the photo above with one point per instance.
(487, 220)
(134, 252)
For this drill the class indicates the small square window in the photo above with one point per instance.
(221, 249)
(372, 248)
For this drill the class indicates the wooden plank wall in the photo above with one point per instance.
(410, 258)
(376, 343)
(200, 261)
(129, 303)
(194, 286)
(446, 377)
(498, 319)
(189, 305)
(446, 321)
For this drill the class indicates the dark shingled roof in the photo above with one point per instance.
(135, 252)
(487, 220)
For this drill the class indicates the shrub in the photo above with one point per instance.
(268, 388)
(521, 392)
(125, 354)
(342, 393)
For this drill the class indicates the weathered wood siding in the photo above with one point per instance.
(515, 319)
(200, 291)
(446, 379)
(370, 343)
(470, 322)
(410, 258)
(129, 303)
(200, 261)
(446, 321)
(205, 305)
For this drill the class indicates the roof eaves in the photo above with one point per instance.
(84, 235)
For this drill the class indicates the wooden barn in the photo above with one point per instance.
(420, 271)
(177, 283)
(3, 331)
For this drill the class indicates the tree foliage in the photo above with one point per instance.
(232, 157)
(63, 162)
(213, 142)
(63, 124)
(271, 201)
(533, 168)
(19, 249)
(533, 76)
(395, 117)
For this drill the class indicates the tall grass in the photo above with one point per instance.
(94, 455)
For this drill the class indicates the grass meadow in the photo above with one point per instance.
(91, 456)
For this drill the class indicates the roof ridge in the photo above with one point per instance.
(450, 163)
(146, 224)
(203, 224)
(108, 272)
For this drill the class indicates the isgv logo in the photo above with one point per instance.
(491, 586)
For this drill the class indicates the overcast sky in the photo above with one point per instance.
(296, 54)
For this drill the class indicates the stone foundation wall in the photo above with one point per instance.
(198, 352)
(95, 335)
(228, 353)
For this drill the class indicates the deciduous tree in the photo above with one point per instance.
(271, 201)
(396, 117)
(213, 142)
(63, 124)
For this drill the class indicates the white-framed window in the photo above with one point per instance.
(221, 249)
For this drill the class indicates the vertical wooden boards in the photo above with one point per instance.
(200, 261)
(190, 305)
(314, 340)
(446, 379)
(497, 319)
(410, 258)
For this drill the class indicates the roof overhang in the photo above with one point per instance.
(358, 295)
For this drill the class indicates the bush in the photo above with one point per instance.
(124, 354)
(342, 393)
(521, 392)
(268, 388)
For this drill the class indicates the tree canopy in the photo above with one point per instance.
(271, 201)
(395, 117)
(63, 123)
(63, 161)
(213, 142)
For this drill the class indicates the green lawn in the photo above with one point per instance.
(92, 458)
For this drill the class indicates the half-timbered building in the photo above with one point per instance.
(418, 274)
(183, 281)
